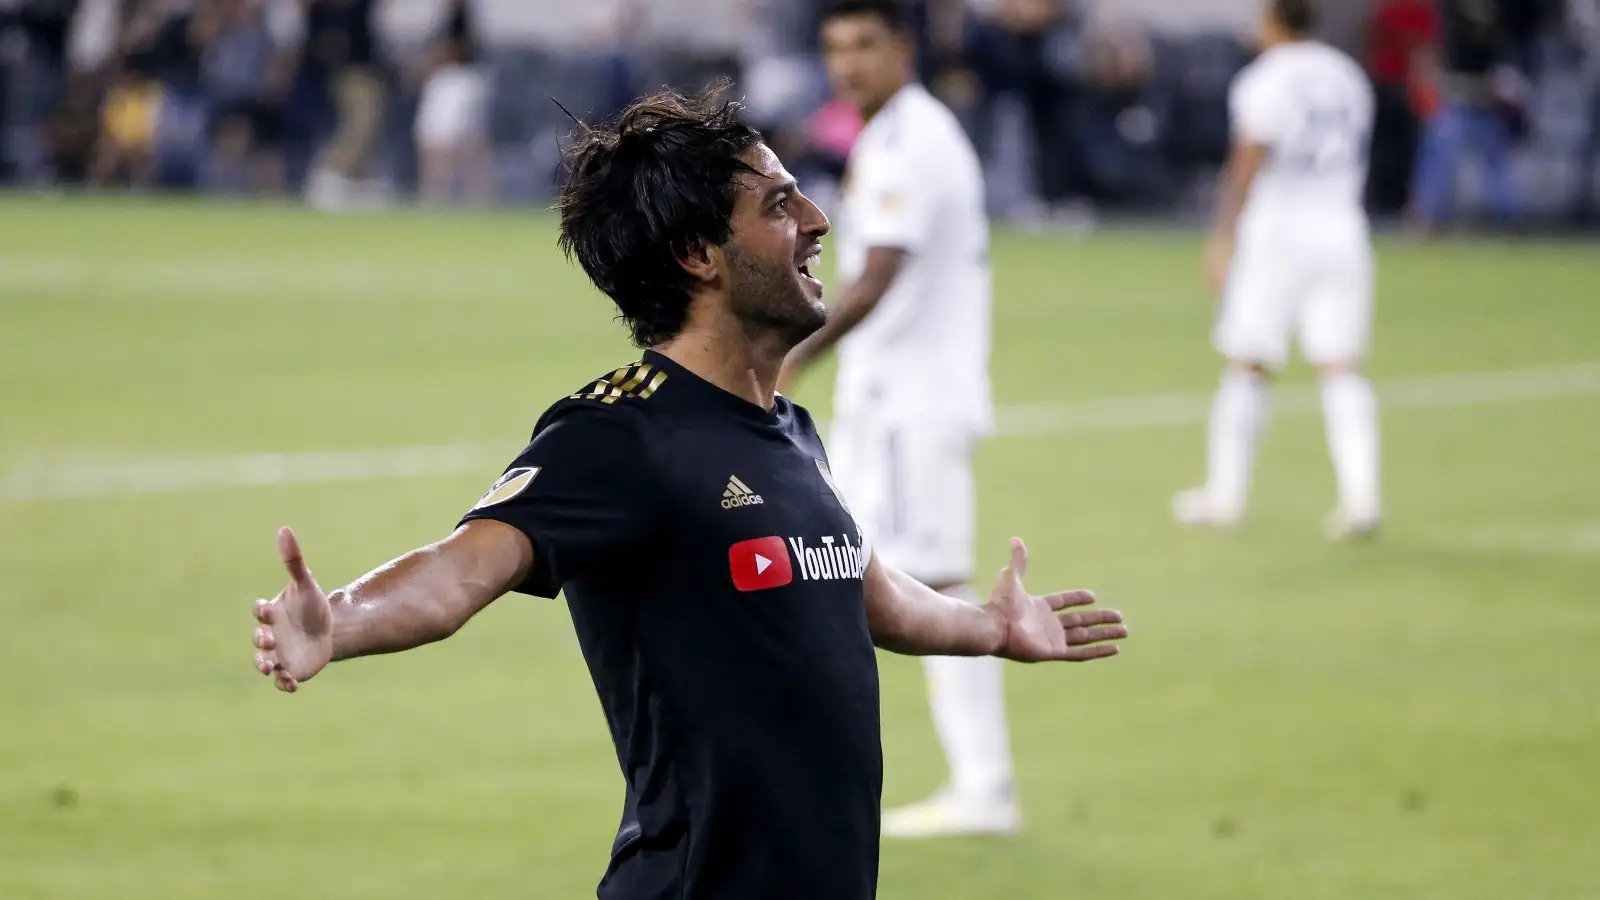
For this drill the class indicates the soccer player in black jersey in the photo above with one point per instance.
(727, 604)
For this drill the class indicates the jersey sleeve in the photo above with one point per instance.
(579, 491)
(895, 209)
(1258, 113)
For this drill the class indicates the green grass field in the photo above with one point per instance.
(1415, 718)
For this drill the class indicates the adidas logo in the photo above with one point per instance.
(739, 494)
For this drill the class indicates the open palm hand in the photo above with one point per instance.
(1051, 628)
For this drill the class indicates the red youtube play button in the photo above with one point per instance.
(760, 565)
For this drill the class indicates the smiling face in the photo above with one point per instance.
(773, 252)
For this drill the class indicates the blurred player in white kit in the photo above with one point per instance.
(912, 398)
(1291, 255)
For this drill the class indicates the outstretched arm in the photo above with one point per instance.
(424, 596)
(908, 617)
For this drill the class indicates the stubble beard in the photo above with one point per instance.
(769, 299)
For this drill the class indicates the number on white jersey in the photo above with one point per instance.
(1331, 139)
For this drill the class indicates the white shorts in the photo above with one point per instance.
(911, 490)
(453, 109)
(1326, 301)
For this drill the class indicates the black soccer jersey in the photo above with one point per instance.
(714, 576)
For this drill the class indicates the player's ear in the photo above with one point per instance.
(703, 262)
(907, 44)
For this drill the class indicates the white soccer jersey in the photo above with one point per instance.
(1304, 261)
(1313, 106)
(922, 357)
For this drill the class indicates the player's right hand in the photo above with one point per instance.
(294, 640)
(1218, 261)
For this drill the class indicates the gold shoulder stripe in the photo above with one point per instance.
(634, 374)
(639, 375)
(628, 381)
(603, 386)
(653, 386)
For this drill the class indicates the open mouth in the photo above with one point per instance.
(808, 266)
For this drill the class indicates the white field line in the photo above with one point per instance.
(1424, 392)
(64, 477)
(57, 481)
(72, 277)
(1581, 539)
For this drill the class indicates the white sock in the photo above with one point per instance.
(1352, 415)
(967, 695)
(1238, 416)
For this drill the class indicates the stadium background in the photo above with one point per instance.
(185, 368)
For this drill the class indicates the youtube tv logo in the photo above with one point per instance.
(760, 565)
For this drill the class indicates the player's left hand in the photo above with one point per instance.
(1049, 628)
(1219, 259)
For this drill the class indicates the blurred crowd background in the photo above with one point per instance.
(1490, 109)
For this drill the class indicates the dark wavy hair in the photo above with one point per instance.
(647, 191)
(892, 12)
(1299, 16)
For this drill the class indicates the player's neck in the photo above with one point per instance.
(868, 112)
(730, 360)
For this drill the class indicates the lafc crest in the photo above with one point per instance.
(827, 477)
(861, 534)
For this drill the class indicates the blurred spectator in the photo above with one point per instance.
(246, 65)
(833, 131)
(539, 51)
(785, 87)
(125, 152)
(945, 65)
(561, 30)
(340, 57)
(1475, 74)
(1200, 71)
(689, 44)
(452, 128)
(408, 34)
(1119, 129)
(72, 130)
(454, 96)
(1010, 46)
(33, 77)
(71, 134)
(784, 77)
(153, 109)
(1401, 32)
(1583, 19)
